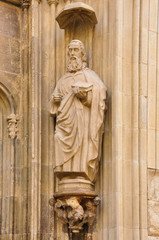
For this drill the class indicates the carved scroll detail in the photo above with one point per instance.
(12, 125)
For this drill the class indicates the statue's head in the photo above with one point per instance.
(77, 56)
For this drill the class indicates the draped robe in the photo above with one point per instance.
(79, 127)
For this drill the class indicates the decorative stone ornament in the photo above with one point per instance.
(50, 2)
(25, 3)
(79, 213)
(12, 126)
(74, 11)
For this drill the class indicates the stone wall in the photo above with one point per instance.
(10, 46)
(13, 133)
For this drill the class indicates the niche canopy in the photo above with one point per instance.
(74, 11)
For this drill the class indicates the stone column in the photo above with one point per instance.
(35, 122)
(25, 97)
(52, 67)
(12, 132)
(51, 83)
(48, 70)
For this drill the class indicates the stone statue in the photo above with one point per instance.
(78, 102)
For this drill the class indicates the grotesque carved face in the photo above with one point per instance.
(73, 202)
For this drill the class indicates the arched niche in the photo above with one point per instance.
(8, 130)
(7, 99)
(78, 19)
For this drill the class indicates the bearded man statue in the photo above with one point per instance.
(78, 102)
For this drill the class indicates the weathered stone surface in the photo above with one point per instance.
(9, 55)
(153, 238)
(16, 2)
(78, 213)
(10, 95)
(153, 203)
(9, 43)
(9, 21)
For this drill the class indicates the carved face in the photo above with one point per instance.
(72, 202)
(77, 56)
(75, 50)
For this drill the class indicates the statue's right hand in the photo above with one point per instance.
(57, 99)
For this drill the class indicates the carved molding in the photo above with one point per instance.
(50, 2)
(12, 125)
(77, 212)
(25, 4)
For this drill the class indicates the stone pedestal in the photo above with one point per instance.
(75, 202)
(74, 183)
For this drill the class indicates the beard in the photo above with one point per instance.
(74, 64)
